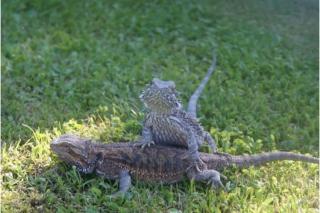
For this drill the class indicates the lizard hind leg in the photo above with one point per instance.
(211, 142)
(194, 153)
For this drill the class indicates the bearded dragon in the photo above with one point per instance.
(167, 123)
(123, 161)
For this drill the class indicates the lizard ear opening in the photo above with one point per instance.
(178, 104)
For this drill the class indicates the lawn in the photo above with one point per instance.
(79, 66)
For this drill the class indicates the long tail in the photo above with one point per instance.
(192, 105)
(221, 160)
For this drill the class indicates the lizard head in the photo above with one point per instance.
(73, 150)
(161, 96)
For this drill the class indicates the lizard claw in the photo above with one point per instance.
(148, 144)
(199, 165)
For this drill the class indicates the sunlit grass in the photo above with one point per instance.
(33, 178)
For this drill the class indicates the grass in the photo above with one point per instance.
(79, 66)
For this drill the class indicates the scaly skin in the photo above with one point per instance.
(157, 163)
(168, 124)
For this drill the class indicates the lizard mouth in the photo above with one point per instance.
(70, 148)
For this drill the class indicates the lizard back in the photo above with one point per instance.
(160, 165)
(171, 129)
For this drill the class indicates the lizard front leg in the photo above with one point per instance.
(91, 164)
(124, 183)
(146, 138)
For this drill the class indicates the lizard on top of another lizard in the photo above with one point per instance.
(168, 124)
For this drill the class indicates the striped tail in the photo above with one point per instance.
(260, 159)
(192, 105)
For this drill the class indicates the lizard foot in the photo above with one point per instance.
(144, 143)
(215, 181)
(118, 194)
(199, 165)
(210, 176)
